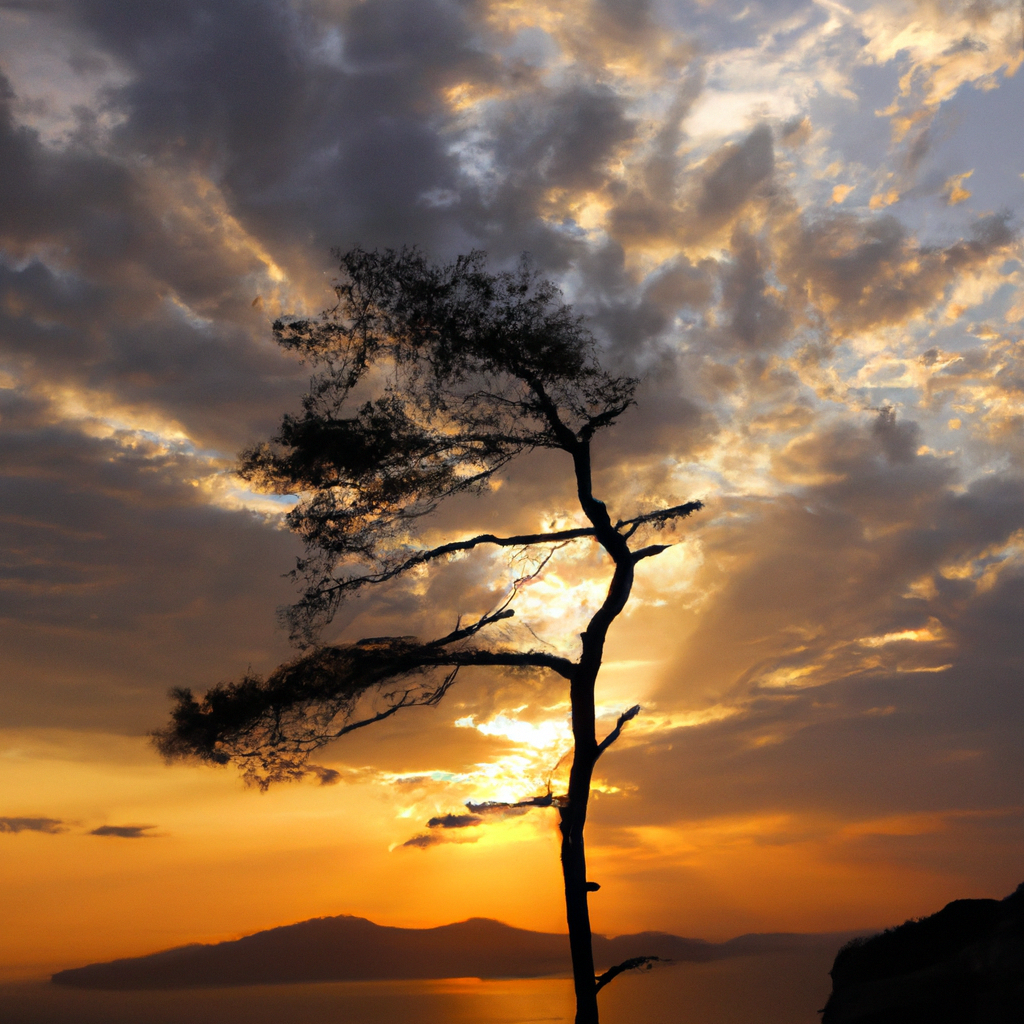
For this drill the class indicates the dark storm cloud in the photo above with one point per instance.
(295, 142)
(99, 317)
(322, 129)
(124, 831)
(318, 128)
(565, 142)
(50, 826)
(214, 378)
(900, 440)
(731, 177)
(76, 195)
(660, 172)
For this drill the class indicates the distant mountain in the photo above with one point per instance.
(962, 965)
(354, 949)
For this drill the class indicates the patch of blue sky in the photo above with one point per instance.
(473, 150)
(255, 501)
(728, 24)
(286, 501)
(804, 57)
(532, 46)
(965, 334)
(968, 139)
(433, 776)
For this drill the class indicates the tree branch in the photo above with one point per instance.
(518, 540)
(511, 659)
(627, 965)
(651, 549)
(428, 701)
(464, 632)
(659, 515)
(602, 419)
(422, 557)
(271, 725)
(625, 717)
(425, 656)
(563, 434)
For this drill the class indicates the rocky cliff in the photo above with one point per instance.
(962, 965)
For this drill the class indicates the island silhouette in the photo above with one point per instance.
(354, 949)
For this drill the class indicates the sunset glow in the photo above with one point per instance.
(799, 224)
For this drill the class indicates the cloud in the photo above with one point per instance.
(325, 776)
(49, 825)
(124, 831)
(673, 167)
(861, 273)
(106, 540)
(424, 840)
(900, 441)
(455, 821)
(734, 174)
(444, 823)
(756, 317)
(826, 718)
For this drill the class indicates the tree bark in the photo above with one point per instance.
(574, 859)
(586, 750)
(577, 913)
(585, 754)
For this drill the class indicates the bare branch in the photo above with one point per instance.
(651, 549)
(464, 632)
(632, 964)
(429, 700)
(511, 659)
(423, 557)
(625, 717)
(603, 418)
(657, 516)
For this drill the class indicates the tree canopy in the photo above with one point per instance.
(430, 378)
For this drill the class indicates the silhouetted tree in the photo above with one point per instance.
(432, 378)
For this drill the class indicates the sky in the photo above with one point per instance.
(798, 222)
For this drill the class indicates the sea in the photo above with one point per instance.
(769, 988)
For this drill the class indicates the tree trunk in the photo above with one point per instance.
(574, 876)
(574, 820)
(584, 734)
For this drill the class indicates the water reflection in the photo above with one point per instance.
(780, 988)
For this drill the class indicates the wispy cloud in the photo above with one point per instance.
(124, 831)
(49, 825)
